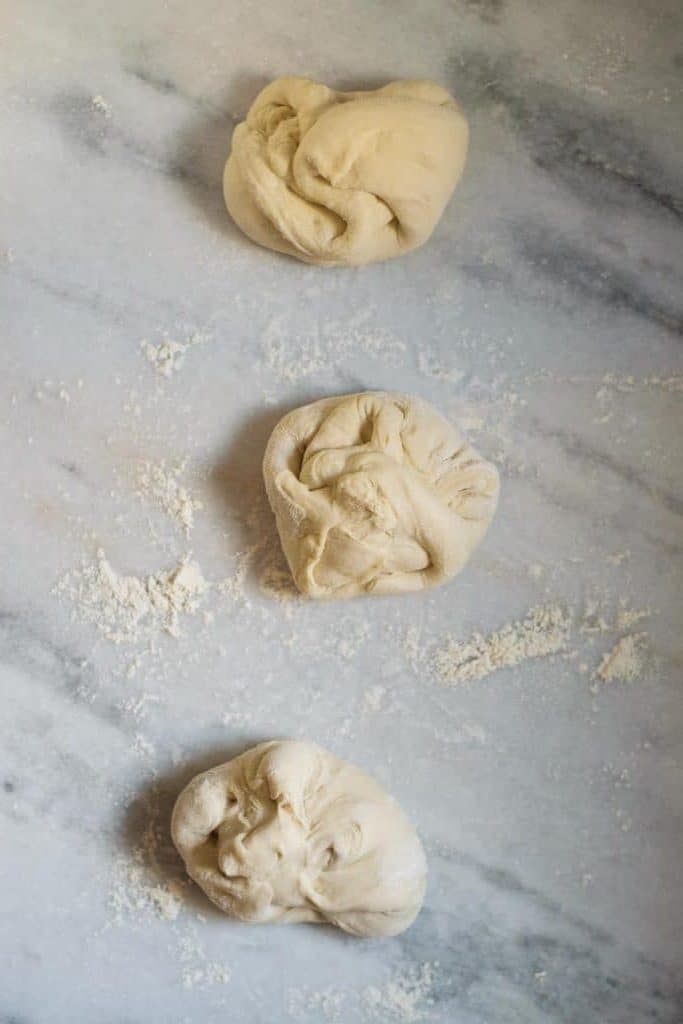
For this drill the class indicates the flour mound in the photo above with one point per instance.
(126, 609)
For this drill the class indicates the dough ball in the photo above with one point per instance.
(289, 832)
(375, 493)
(345, 177)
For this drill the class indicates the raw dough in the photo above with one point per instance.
(375, 493)
(289, 832)
(345, 177)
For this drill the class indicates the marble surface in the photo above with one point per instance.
(544, 315)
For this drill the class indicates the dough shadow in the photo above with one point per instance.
(204, 148)
(236, 484)
(360, 83)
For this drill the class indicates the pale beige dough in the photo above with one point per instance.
(289, 832)
(345, 177)
(375, 493)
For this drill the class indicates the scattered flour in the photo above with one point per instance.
(628, 617)
(325, 1003)
(100, 104)
(141, 609)
(140, 892)
(414, 648)
(342, 638)
(236, 718)
(138, 888)
(331, 342)
(233, 586)
(672, 384)
(373, 699)
(429, 365)
(467, 734)
(160, 483)
(55, 389)
(130, 608)
(167, 357)
(593, 618)
(612, 384)
(598, 618)
(624, 662)
(133, 895)
(137, 706)
(142, 747)
(407, 997)
(275, 580)
(471, 423)
(619, 557)
(308, 360)
(543, 632)
(133, 667)
(349, 637)
(197, 969)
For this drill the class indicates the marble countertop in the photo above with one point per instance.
(544, 316)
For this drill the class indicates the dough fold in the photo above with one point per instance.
(344, 178)
(375, 493)
(289, 832)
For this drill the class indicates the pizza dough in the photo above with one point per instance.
(345, 177)
(289, 832)
(375, 493)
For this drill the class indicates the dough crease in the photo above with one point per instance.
(375, 493)
(288, 832)
(339, 178)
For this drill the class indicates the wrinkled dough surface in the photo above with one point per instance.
(375, 493)
(289, 832)
(344, 178)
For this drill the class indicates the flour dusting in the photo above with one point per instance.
(168, 357)
(414, 648)
(160, 483)
(136, 706)
(326, 1004)
(233, 586)
(139, 889)
(543, 632)
(99, 104)
(345, 639)
(197, 969)
(628, 617)
(429, 365)
(373, 699)
(296, 358)
(407, 997)
(143, 748)
(130, 608)
(140, 893)
(673, 384)
(624, 662)
(133, 894)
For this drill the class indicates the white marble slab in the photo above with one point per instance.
(545, 315)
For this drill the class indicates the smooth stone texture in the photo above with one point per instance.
(555, 891)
